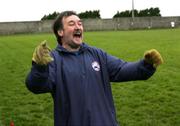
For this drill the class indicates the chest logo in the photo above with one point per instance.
(95, 66)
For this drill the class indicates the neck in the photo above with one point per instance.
(71, 48)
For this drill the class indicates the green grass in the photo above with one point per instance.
(155, 102)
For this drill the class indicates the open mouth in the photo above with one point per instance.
(77, 34)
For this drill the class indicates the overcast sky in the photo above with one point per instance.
(33, 10)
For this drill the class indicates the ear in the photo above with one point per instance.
(60, 33)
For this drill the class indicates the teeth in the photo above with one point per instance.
(77, 33)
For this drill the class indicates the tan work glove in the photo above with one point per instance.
(41, 54)
(153, 57)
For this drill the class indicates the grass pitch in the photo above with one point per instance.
(155, 102)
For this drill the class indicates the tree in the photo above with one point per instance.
(135, 13)
(86, 14)
(154, 12)
(141, 13)
(50, 16)
(122, 14)
(149, 12)
(90, 14)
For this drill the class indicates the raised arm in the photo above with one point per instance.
(120, 70)
(41, 76)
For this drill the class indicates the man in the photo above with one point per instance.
(78, 76)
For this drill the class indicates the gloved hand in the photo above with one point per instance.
(41, 54)
(153, 57)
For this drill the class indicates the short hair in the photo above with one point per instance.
(58, 23)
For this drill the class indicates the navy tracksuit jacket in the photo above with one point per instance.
(80, 84)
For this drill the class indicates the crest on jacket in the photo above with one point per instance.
(96, 66)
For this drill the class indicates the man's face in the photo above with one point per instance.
(72, 33)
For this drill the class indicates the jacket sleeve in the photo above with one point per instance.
(120, 70)
(41, 78)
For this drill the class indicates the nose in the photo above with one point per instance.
(77, 26)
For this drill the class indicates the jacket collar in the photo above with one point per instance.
(83, 47)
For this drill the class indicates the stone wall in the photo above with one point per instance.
(7, 28)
